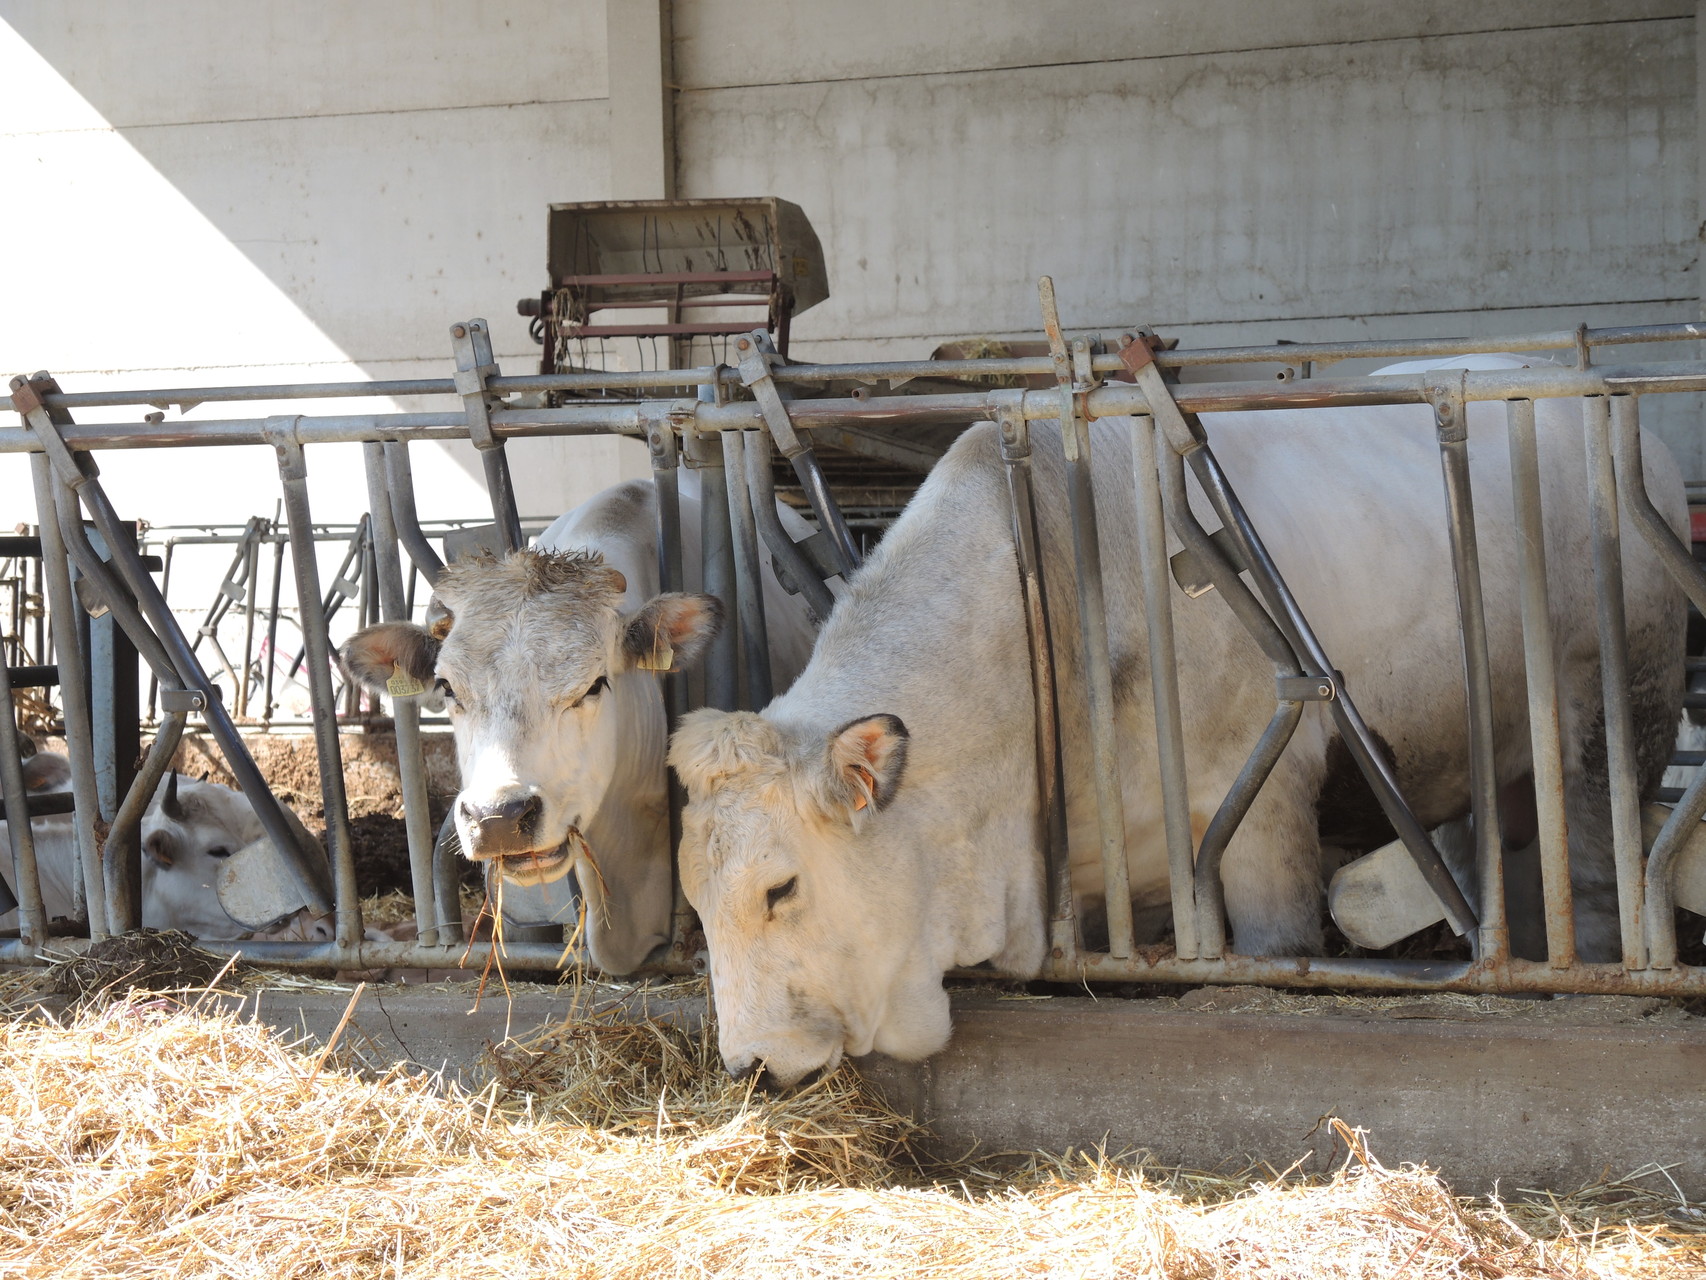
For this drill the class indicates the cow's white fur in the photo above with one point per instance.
(947, 873)
(181, 857)
(597, 767)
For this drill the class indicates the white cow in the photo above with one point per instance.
(876, 825)
(547, 660)
(188, 830)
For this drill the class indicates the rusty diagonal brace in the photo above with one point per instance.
(757, 355)
(1185, 435)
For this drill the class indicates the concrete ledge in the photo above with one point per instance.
(1559, 1095)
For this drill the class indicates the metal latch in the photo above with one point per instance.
(183, 700)
(1307, 688)
(1190, 572)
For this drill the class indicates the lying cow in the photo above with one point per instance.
(876, 825)
(188, 830)
(547, 661)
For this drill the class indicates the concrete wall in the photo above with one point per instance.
(218, 192)
(1228, 171)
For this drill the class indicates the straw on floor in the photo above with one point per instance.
(149, 1139)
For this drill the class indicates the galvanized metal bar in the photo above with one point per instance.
(405, 711)
(1540, 663)
(749, 578)
(32, 915)
(1045, 700)
(722, 658)
(1680, 564)
(1097, 663)
(1353, 730)
(472, 343)
(272, 629)
(293, 479)
(1451, 427)
(73, 692)
(1210, 893)
(1614, 680)
(122, 857)
(251, 581)
(405, 516)
(1112, 400)
(447, 864)
(1164, 685)
(872, 371)
(795, 568)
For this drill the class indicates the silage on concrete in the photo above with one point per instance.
(148, 1139)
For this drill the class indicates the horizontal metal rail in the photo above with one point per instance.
(1109, 400)
(1077, 372)
(889, 370)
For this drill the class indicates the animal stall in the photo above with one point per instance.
(726, 421)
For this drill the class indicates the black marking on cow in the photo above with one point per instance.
(1347, 813)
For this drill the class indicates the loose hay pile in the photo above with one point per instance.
(140, 1141)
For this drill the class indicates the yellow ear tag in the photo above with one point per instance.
(661, 658)
(402, 684)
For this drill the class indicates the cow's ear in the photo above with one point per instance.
(394, 657)
(47, 771)
(867, 759)
(671, 632)
(711, 745)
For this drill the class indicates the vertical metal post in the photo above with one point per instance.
(122, 857)
(32, 916)
(1452, 430)
(293, 477)
(1680, 564)
(761, 484)
(165, 594)
(1164, 685)
(1614, 681)
(749, 578)
(271, 661)
(1045, 701)
(1098, 674)
(62, 610)
(113, 696)
(251, 585)
(405, 515)
(1542, 669)
(405, 712)
(722, 659)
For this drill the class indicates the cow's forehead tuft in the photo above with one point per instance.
(487, 581)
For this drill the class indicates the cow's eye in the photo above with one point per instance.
(782, 891)
(219, 851)
(597, 687)
(443, 687)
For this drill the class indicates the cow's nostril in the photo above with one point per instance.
(745, 1070)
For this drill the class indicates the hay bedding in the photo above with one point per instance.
(152, 1138)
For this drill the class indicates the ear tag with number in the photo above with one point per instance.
(661, 658)
(402, 684)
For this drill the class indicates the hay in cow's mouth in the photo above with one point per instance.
(542, 866)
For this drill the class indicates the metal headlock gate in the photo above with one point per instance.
(724, 421)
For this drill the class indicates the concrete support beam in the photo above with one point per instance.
(642, 100)
(1546, 1094)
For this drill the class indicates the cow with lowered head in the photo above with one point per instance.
(876, 825)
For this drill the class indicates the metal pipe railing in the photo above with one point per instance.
(730, 473)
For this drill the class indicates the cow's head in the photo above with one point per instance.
(188, 832)
(558, 720)
(801, 881)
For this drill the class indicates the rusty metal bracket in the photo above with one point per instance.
(472, 342)
(757, 356)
